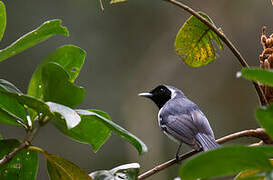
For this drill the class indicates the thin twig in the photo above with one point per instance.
(222, 36)
(25, 144)
(258, 133)
(9, 156)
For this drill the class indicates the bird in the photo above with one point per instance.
(181, 119)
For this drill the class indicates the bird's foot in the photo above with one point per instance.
(178, 160)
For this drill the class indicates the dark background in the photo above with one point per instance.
(130, 50)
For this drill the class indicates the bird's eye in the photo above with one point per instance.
(161, 90)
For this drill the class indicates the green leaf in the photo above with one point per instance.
(8, 119)
(193, 42)
(71, 118)
(57, 87)
(11, 109)
(5, 117)
(24, 164)
(13, 99)
(8, 115)
(227, 161)
(3, 19)
(52, 110)
(7, 86)
(31, 102)
(1, 137)
(62, 169)
(255, 175)
(123, 172)
(42, 33)
(258, 75)
(90, 130)
(265, 117)
(117, 1)
(14, 103)
(70, 57)
(249, 174)
(136, 142)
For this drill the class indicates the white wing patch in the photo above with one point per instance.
(159, 119)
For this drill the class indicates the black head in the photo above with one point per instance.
(160, 95)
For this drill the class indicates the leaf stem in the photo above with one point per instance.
(257, 133)
(222, 36)
(35, 148)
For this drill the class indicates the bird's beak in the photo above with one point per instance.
(148, 95)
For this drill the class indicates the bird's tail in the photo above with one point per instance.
(207, 142)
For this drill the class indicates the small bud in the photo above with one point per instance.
(263, 39)
(268, 51)
(266, 64)
(267, 43)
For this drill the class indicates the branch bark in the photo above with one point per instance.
(9, 156)
(222, 36)
(25, 144)
(257, 133)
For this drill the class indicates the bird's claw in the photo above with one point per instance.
(177, 158)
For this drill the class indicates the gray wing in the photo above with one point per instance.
(201, 122)
(180, 127)
(184, 120)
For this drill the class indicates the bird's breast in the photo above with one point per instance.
(164, 128)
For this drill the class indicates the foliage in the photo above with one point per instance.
(236, 159)
(51, 97)
(258, 75)
(264, 116)
(70, 58)
(255, 174)
(126, 171)
(23, 166)
(3, 21)
(117, 1)
(42, 33)
(62, 169)
(193, 42)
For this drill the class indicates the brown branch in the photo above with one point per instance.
(9, 156)
(30, 136)
(257, 133)
(222, 36)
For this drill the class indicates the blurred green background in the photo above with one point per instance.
(130, 50)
